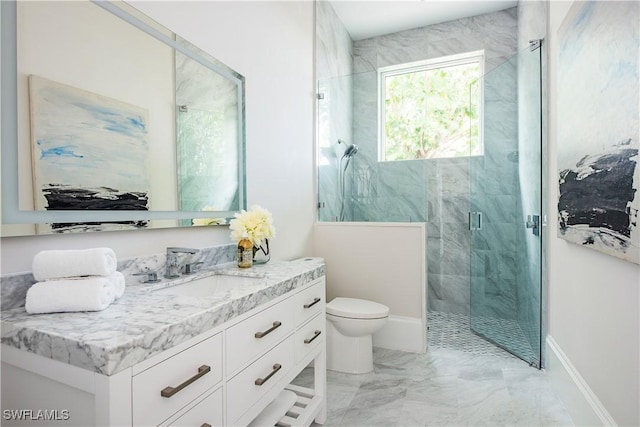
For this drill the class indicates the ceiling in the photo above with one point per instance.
(370, 18)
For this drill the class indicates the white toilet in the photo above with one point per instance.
(350, 324)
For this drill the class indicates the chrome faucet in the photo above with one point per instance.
(173, 264)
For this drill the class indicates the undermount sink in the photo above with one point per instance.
(210, 285)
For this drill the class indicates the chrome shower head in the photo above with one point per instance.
(351, 151)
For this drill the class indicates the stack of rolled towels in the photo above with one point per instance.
(74, 280)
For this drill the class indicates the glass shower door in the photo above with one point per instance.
(505, 205)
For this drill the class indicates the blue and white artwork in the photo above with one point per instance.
(599, 127)
(89, 152)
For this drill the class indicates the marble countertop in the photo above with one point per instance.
(143, 323)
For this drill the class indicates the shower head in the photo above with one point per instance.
(351, 151)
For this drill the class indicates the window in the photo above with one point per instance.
(432, 109)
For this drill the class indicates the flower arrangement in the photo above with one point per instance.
(208, 221)
(255, 225)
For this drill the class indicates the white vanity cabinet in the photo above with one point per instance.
(161, 390)
(209, 408)
(225, 376)
(257, 384)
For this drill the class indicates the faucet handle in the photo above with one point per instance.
(152, 276)
(190, 268)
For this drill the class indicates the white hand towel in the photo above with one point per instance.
(91, 294)
(117, 283)
(48, 265)
(116, 280)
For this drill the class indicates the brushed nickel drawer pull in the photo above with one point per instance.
(275, 326)
(261, 381)
(316, 334)
(315, 301)
(170, 391)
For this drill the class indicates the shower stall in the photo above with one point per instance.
(506, 212)
(483, 211)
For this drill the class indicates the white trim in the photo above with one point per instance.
(113, 395)
(416, 224)
(70, 375)
(402, 333)
(580, 401)
(433, 63)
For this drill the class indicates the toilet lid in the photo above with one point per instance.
(356, 308)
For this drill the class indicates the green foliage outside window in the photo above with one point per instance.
(432, 113)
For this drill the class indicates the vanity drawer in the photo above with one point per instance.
(255, 335)
(310, 336)
(242, 390)
(309, 302)
(182, 377)
(207, 411)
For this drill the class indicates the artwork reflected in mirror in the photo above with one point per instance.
(89, 152)
(184, 115)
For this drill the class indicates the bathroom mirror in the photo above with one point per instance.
(112, 122)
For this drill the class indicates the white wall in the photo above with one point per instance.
(593, 298)
(271, 44)
(381, 262)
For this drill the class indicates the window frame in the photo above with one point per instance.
(472, 57)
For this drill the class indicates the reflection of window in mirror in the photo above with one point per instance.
(207, 111)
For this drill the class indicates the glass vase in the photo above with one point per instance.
(261, 254)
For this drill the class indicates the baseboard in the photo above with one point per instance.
(580, 401)
(402, 333)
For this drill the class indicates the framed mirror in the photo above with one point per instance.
(112, 122)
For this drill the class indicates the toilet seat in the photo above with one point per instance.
(353, 308)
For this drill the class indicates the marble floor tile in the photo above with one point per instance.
(439, 391)
(419, 413)
(469, 386)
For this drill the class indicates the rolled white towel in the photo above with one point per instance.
(116, 280)
(59, 264)
(117, 283)
(54, 296)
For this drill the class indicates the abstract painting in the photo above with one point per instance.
(89, 152)
(599, 127)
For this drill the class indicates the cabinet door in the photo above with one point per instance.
(206, 413)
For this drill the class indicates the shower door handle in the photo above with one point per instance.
(475, 221)
(533, 222)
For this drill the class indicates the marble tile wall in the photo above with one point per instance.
(438, 191)
(334, 69)
(494, 192)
